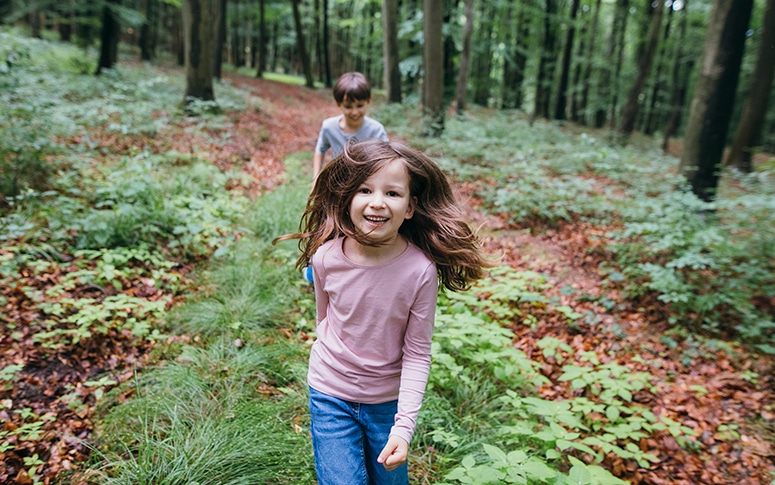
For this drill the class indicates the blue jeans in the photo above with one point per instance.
(347, 438)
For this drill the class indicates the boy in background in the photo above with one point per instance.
(352, 93)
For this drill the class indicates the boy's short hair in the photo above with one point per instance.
(352, 86)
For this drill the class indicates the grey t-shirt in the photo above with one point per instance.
(331, 136)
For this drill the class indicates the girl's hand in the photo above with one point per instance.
(394, 453)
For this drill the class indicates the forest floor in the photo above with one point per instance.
(733, 416)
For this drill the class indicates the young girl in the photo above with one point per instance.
(385, 230)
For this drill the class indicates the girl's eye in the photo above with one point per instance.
(363, 190)
(393, 194)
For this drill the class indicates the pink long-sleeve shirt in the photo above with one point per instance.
(374, 329)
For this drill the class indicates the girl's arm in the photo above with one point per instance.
(321, 297)
(417, 355)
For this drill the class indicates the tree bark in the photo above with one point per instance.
(482, 62)
(545, 75)
(714, 95)
(111, 31)
(749, 131)
(679, 82)
(301, 46)
(261, 51)
(614, 52)
(465, 58)
(392, 74)
(562, 91)
(220, 39)
(576, 82)
(650, 123)
(644, 65)
(433, 83)
(326, 44)
(514, 68)
(148, 31)
(200, 18)
(587, 76)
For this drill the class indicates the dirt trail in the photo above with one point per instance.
(569, 256)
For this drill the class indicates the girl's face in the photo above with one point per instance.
(382, 203)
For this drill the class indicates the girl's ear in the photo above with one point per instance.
(410, 210)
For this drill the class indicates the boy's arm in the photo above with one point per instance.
(317, 164)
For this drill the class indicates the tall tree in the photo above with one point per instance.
(714, 95)
(465, 58)
(390, 50)
(608, 85)
(482, 62)
(326, 42)
(516, 40)
(545, 73)
(260, 52)
(652, 115)
(6, 7)
(200, 20)
(748, 136)
(433, 82)
(679, 81)
(301, 46)
(562, 90)
(644, 66)
(587, 76)
(220, 39)
(111, 31)
(148, 31)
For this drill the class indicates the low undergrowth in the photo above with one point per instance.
(711, 264)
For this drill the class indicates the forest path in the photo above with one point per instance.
(630, 333)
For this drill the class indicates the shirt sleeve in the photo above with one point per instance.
(321, 297)
(416, 356)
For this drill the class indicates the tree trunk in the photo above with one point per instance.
(545, 76)
(649, 125)
(36, 24)
(6, 7)
(482, 62)
(562, 91)
(587, 78)
(111, 31)
(644, 66)
(148, 32)
(433, 53)
(301, 46)
(679, 82)
(714, 95)
(392, 73)
(749, 132)
(220, 39)
(261, 51)
(200, 20)
(514, 68)
(609, 87)
(576, 82)
(326, 44)
(465, 58)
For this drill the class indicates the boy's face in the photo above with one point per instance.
(354, 110)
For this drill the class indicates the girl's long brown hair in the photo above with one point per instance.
(437, 226)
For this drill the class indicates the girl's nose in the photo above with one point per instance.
(377, 201)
